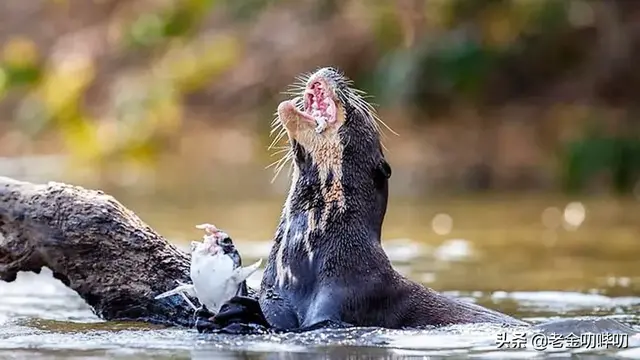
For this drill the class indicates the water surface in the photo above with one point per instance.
(532, 257)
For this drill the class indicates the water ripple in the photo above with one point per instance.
(42, 319)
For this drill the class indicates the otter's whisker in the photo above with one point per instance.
(278, 152)
(378, 120)
(277, 162)
(281, 165)
(275, 131)
(288, 158)
(368, 108)
(275, 142)
(298, 88)
(276, 128)
(277, 138)
(294, 91)
(304, 76)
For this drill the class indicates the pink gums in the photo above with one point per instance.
(318, 102)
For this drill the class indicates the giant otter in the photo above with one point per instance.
(327, 266)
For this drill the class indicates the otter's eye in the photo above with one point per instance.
(385, 169)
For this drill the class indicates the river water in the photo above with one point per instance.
(536, 258)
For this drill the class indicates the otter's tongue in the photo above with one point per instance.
(319, 104)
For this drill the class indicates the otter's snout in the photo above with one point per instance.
(317, 107)
(291, 116)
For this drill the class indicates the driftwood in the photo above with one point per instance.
(95, 246)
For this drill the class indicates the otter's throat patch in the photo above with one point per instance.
(326, 153)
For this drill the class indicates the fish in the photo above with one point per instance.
(216, 271)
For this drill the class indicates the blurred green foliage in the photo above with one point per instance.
(434, 56)
(595, 155)
(147, 113)
(177, 21)
(20, 65)
(481, 41)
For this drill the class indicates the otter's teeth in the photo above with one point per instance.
(321, 125)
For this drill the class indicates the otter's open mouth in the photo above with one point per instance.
(318, 101)
(317, 106)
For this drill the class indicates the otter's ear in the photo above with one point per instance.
(384, 169)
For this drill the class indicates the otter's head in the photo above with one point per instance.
(334, 140)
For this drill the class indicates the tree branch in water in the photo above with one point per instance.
(95, 246)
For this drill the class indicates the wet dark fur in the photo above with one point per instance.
(350, 278)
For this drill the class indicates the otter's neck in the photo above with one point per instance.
(334, 200)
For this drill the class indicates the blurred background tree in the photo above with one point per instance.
(486, 95)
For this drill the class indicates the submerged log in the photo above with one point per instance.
(95, 246)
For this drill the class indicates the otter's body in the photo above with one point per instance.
(327, 263)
